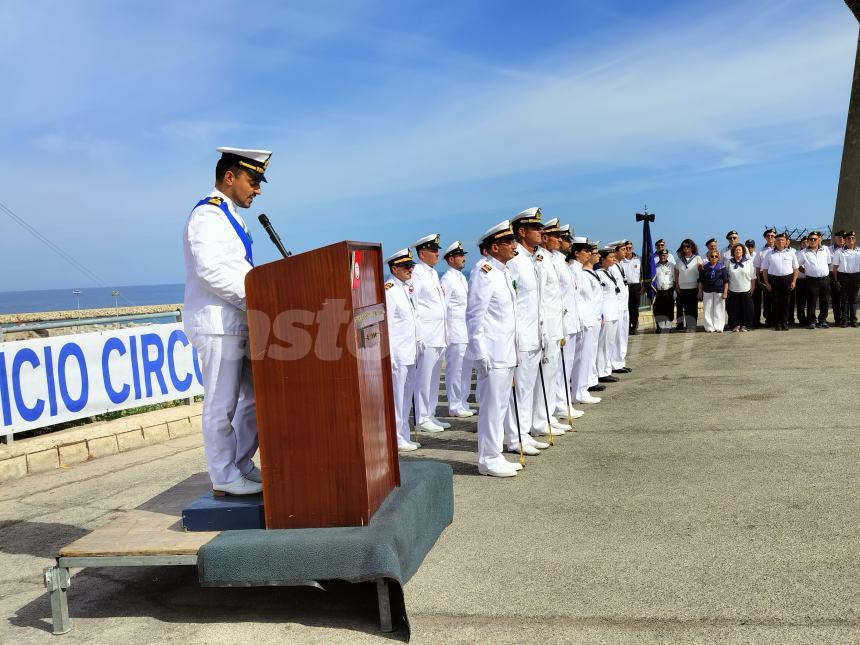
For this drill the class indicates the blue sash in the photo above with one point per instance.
(241, 232)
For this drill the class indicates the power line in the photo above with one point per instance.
(56, 248)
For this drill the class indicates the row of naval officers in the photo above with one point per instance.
(543, 320)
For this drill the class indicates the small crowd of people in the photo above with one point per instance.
(543, 319)
(739, 284)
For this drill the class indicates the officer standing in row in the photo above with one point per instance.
(491, 320)
(632, 266)
(527, 227)
(458, 369)
(217, 249)
(779, 274)
(404, 339)
(572, 327)
(430, 303)
(759, 261)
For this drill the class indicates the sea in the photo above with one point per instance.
(18, 302)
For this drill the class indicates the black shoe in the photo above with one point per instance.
(658, 330)
(626, 370)
(608, 379)
(855, 324)
(597, 388)
(777, 327)
(811, 326)
(785, 328)
(823, 325)
(634, 332)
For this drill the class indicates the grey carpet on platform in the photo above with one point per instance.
(392, 545)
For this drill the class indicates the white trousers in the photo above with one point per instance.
(458, 378)
(544, 394)
(229, 412)
(565, 374)
(584, 361)
(494, 392)
(608, 338)
(525, 375)
(403, 381)
(427, 383)
(714, 309)
(619, 347)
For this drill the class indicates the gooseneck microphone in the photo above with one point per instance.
(276, 239)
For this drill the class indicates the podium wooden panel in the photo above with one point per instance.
(322, 384)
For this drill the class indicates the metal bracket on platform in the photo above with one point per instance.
(384, 605)
(57, 582)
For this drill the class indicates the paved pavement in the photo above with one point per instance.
(709, 498)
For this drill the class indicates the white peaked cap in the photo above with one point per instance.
(564, 228)
(399, 255)
(453, 247)
(501, 229)
(256, 155)
(433, 237)
(528, 216)
(551, 222)
(579, 240)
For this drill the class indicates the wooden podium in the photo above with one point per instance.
(322, 383)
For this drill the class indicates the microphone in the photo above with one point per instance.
(276, 239)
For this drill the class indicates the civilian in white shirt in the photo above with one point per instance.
(741, 288)
(814, 262)
(687, 284)
(779, 274)
(458, 369)
(664, 289)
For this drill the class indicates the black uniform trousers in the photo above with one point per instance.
(836, 299)
(850, 284)
(798, 302)
(781, 299)
(739, 306)
(767, 307)
(664, 306)
(756, 299)
(688, 303)
(817, 295)
(633, 305)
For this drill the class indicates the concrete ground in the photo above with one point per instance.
(711, 497)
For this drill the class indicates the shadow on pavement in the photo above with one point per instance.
(39, 539)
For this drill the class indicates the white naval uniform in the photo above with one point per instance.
(430, 304)
(572, 330)
(608, 333)
(491, 321)
(216, 323)
(622, 331)
(524, 276)
(458, 369)
(590, 303)
(552, 317)
(404, 338)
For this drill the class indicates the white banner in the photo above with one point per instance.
(53, 380)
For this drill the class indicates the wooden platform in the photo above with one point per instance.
(154, 528)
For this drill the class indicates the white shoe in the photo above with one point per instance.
(464, 414)
(414, 443)
(540, 445)
(515, 465)
(558, 425)
(407, 447)
(528, 449)
(588, 399)
(254, 475)
(545, 432)
(574, 414)
(442, 424)
(497, 471)
(239, 486)
(429, 426)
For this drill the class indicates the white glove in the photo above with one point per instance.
(482, 366)
(420, 348)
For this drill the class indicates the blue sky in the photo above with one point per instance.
(391, 120)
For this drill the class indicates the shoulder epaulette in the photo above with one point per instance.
(389, 284)
(486, 268)
(215, 201)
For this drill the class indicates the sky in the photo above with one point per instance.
(392, 120)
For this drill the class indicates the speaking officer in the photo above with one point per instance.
(632, 266)
(491, 321)
(779, 272)
(527, 228)
(404, 338)
(217, 248)
(552, 306)
(458, 372)
(430, 304)
(814, 262)
(572, 327)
